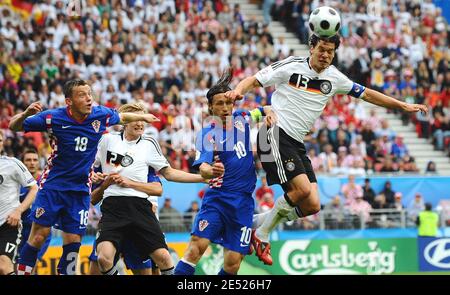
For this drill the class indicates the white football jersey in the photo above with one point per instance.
(301, 93)
(130, 159)
(13, 175)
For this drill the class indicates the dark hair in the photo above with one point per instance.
(314, 40)
(68, 87)
(428, 206)
(221, 85)
(29, 151)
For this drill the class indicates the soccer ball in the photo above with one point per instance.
(324, 21)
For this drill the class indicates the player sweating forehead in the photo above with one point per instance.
(81, 92)
(220, 104)
(324, 46)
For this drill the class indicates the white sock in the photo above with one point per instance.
(258, 219)
(280, 211)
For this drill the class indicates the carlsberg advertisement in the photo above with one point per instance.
(340, 256)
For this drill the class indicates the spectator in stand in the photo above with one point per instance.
(360, 208)
(263, 189)
(267, 203)
(368, 192)
(399, 149)
(351, 190)
(398, 205)
(316, 161)
(416, 206)
(335, 214)
(388, 193)
(329, 158)
(431, 167)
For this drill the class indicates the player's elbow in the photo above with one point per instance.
(158, 190)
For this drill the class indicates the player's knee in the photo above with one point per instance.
(38, 240)
(232, 266)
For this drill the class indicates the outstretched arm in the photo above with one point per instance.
(126, 118)
(176, 175)
(16, 123)
(383, 100)
(242, 88)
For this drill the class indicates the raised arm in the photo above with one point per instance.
(383, 100)
(126, 118)
(242, 88)
(16, 123)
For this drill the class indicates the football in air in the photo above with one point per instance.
(324, 21)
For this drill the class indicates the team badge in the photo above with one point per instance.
(96, 125)
(239, 126)
(39, 212)
(1, 179)
(126, 161)
(203, 224)
(325, 87)
(290, 166)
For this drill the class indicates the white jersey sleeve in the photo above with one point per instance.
(22, 175)
(276, 73)
(101, 151)
(347, 86)
(156, 158)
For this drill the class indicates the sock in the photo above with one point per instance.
(168, 272)
(68, 261)
(222, 272)
(27, 259)
(275, 216)
(258, 219)
(185, 268)
(111, 272)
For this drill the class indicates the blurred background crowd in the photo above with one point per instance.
(167, 53)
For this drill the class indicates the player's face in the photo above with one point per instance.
(135, 129)
(31, 161)
(222, 106)
(81, 100)
(322, 55)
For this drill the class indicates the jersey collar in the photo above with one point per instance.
(123, 138)
(69, 114)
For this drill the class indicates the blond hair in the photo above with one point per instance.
(132, 108)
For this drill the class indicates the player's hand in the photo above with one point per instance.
(217, 169)
(233, 94)
(412, 108)
(149, 118)
(270, 119)
(33, 109)
(109, 179)
(98, 177)
(13, 218)
(122, 181)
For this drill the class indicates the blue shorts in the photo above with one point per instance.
(130, 256)
(226, 218)
(70, 209)
(26, 230)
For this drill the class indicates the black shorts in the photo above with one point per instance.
(130, 218)
(282, 157)
(9, 240)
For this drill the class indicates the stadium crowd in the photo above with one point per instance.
(167, 53)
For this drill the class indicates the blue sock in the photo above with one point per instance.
(184, 269)
(27, 259)
(68, 262)
(222, 272)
